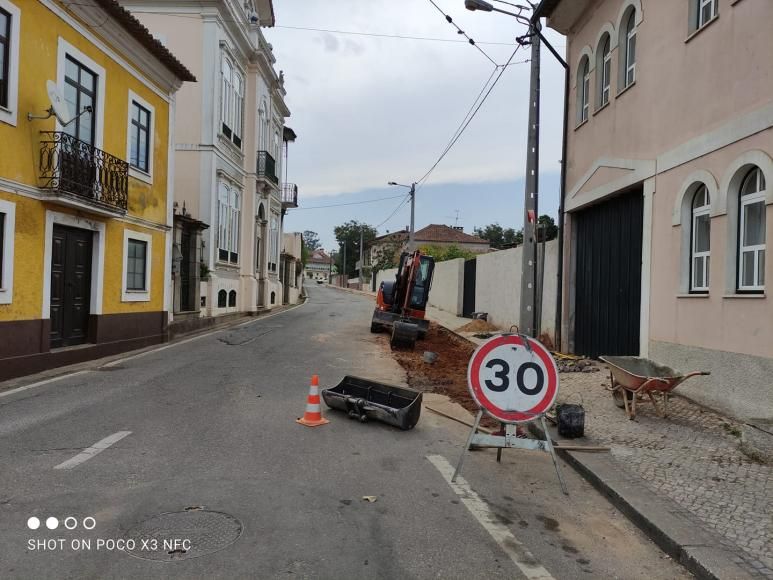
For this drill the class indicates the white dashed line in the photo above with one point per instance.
(40, 383)
(95, 449)
(518, 553)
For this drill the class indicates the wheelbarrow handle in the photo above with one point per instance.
(696, 373)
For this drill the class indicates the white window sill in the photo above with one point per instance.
(581, 124)
(705, 25)
(601, 108)
(135, 296)
(230, 144)
(7, 116)
(750, 296)
(694, 295)
(141, 175)
(6, 296)
(625, 89)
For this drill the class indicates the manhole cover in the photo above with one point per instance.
(183, 535)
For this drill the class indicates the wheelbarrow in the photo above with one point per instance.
(634, 377)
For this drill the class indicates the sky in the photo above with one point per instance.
(368, 110)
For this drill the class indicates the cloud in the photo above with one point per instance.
(368, 110)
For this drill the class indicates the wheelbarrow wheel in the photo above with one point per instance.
(617, 397)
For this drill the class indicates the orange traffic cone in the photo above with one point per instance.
(313, 415)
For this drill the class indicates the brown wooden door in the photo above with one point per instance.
(70, 285)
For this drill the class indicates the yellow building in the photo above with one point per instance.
(86, 202)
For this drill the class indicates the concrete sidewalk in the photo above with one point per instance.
(683, 479)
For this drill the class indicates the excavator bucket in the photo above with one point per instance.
(404, 334)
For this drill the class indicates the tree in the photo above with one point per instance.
(443, 253)
(548, 225)
(311, 239)
(348, 235)
(497, 236)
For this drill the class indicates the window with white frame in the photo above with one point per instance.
(583, 90)
(700, 244)
(751, 233)
(263, 114)
(628, 58)
(706, 10)
(140, 135)
(137, 251)
(604, 70)
(231, 102)
(273, 249)
(228, 220)
(7, 226)
(10, 20)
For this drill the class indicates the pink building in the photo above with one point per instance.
(668, 193)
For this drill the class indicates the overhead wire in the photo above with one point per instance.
(477, 104)
(462, 32)
(347, 203)
(391, 215)
(384, 35)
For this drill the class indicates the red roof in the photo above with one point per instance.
(442, 233)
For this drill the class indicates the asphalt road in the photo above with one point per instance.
(209, 424)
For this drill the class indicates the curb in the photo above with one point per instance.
(675, 530)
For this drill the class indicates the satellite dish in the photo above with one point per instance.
(58, 104)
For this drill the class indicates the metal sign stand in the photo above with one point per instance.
(510, 440)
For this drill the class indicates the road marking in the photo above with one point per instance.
(40, 383)
(95, 449)
(518, 553)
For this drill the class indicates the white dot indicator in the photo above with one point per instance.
(70, 523)
(33, 523)
(89, 523)
(52, 523)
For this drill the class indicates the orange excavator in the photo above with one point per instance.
(400, 305)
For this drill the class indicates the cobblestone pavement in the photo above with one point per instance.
(692, 456)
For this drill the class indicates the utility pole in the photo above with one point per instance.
(343, 267)
(413, 210)
(528, 319)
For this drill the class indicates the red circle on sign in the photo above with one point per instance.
(473, 379)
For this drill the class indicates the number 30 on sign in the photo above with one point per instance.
(513, 378)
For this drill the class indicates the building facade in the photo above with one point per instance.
(292, 267)
(319, 265)
(229, 141)
(668, 198)
(85, 193)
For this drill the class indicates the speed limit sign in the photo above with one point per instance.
(513, 378)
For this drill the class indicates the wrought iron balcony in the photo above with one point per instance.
(71, 166)
(289, 195)
(267, 167)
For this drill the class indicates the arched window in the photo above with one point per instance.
(603, 70)
(626, 42)
(700, 240)
(273, 298)
(222, 297)
(232, 298)
(751, 232)
(583, 90)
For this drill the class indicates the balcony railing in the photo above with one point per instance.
(289, 195)
(267, 167)
(69, 165)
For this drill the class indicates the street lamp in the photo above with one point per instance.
(528, 312)
(412, 193)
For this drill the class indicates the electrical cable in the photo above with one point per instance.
(470, 117)
(383, 35)
(343, 204)
(391, 215)
(462, 32)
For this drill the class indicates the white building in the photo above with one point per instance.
(229, 137)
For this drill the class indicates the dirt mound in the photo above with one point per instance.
(448, 374)
(477, 325)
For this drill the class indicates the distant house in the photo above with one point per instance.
(443, 236)
(319, 265)
(431, 235)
